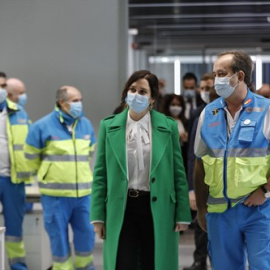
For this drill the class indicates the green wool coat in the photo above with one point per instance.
(167, 183)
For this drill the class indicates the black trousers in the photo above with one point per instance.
(136, 243)
(201, 240)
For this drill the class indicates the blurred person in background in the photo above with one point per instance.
(191, 93)
(158, 105)
(208, 94)
(264, 90)
(174, 106)
(3, 80)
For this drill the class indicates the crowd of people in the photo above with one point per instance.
(165, 162)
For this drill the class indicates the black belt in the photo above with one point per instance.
(134, 193)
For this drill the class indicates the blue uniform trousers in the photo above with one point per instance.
(12, 197)
(58, 213)
(238, 234)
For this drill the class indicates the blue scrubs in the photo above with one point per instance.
(237, 233)
(58, 213)
(12, 197)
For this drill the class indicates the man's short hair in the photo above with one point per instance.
(207, 76)
(190, 76)
(61, 94)
(3, 74)
(241, 61)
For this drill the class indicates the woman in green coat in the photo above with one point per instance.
(139, 195)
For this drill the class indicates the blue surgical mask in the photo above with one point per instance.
(223, 87)
(22, 99)
(3, 95)
(75, 109)
(136, 102)
(189, 94)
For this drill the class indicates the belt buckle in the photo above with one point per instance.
(133, 193)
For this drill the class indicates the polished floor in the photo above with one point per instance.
(186, 248)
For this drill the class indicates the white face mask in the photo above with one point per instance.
(205, 95)
(175, 110)
(223, 87)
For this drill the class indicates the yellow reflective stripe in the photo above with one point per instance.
(65, 186)
(65, 157)
(17, 147)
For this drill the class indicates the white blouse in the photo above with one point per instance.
(138, 142)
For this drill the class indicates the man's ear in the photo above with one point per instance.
(241, 75)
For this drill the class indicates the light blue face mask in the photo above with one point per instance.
(22, 99)
(75, 109)
(223, 87)
(3, 95)
(189, 94)
(136, 102)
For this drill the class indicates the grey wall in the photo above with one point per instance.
(50, 43)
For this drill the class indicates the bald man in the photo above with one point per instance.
(14, 173)
(16, 91)
(58, 147)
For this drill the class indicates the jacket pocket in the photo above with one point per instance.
(44, 170)
(213, 168)
(251, 172)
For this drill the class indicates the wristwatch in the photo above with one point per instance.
(265, 191)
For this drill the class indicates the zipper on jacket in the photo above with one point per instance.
(225, 165)
(76, 158)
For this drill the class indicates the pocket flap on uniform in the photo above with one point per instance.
(247, 130)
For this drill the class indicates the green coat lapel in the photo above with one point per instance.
(117, 139)
(160, 136)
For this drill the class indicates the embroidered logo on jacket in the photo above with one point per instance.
(215, 111)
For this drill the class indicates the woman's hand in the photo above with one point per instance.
(180, 227)
(99, 229)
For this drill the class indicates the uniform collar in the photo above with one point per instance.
(63, 117)
(247, 101)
